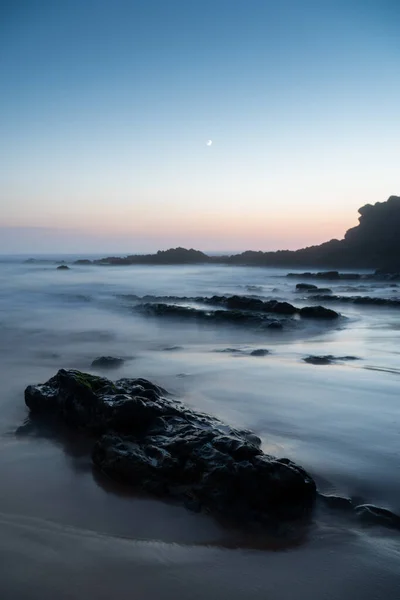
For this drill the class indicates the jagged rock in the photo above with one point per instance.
(107, 362)
(155, 443)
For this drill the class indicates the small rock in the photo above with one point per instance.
(306, 287)
(318, 312)
(172, 348)
(373, 515)
(259, 352)
(336, 502)
(107, 362)
(319, 360)
(63, 268)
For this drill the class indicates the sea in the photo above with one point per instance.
(66, 531)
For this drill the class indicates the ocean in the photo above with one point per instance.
(66, 531)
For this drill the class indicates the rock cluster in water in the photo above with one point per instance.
(378, 275)
(149, 440)
(327, 359)
(239, 310)
(360, 300)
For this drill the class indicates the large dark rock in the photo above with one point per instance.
(147, 439)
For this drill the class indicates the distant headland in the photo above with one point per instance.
(373, 244)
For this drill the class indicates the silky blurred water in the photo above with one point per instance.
(340, 421)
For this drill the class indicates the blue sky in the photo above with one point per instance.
(106, 108)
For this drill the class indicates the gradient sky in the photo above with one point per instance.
(106, 107)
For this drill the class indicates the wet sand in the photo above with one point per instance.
(41, 561)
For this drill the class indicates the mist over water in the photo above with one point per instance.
(340, 421)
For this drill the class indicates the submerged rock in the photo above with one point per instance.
(327, 275)
(157, 444)
(328, 359)
(374, 515)
(336, 502)
(63, 268)
(107, 362)
(259, 352)
(319, 360)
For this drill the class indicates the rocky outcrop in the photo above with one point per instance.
(154, 443)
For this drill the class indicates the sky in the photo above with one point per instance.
(106, 107)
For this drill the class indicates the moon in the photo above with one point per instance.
(209, 143)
